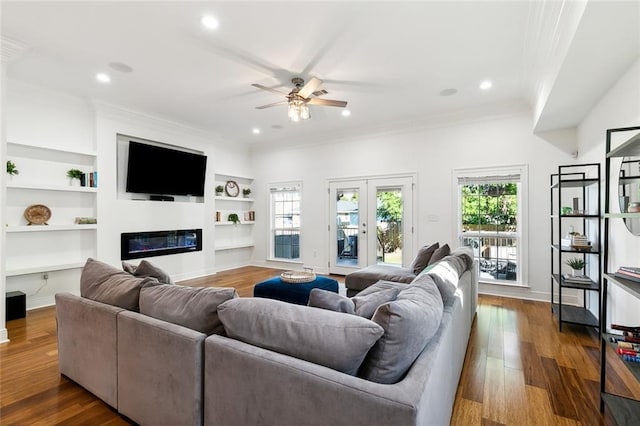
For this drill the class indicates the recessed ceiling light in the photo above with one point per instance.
(209, 22)
(448, 92)
(277, 126)
(346, 113)
(486, 85)
(119, 66)
(256, 131)
(103, 78)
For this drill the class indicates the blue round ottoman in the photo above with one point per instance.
(275, 288)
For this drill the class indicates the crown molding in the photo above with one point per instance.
(10, 48)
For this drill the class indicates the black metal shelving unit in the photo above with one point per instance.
(584, 180)
(625, 411)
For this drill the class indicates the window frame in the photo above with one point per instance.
(282, 187)
(521, 235)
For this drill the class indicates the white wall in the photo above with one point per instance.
(432, 153)
(620, 107)
(38, 116)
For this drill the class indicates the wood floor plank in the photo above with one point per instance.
(536, 376)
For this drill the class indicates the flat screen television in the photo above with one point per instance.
(153, 169)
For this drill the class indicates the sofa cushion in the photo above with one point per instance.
(104, 283)
(320, 336)
(363, 278)
(147, 269)
(448, 271)
(409, 323)
(439, 254)
(192, 307)
(422, 258)
(366, 305)
(323, 299)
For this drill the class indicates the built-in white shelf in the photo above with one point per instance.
(623, 215)
(43, 268)
(244, 199)
(227, 223)
(48, 148)
(234, 246)
(69, 188)
(50, 228)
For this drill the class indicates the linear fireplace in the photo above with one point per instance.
(134, 245)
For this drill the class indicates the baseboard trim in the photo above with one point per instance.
(4, 337)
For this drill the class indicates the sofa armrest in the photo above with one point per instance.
(87, 334)
(159, 371)
(245, 384)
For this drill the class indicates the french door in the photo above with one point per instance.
(371, 222)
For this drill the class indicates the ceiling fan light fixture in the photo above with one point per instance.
(298, 110)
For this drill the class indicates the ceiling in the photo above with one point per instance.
(389, 60)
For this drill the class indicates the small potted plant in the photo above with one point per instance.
(246, 192)
(11, 168)
(233, 218)
(75, 175)
(576, 265)
(219, 190)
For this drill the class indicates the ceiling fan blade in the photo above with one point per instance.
(310, 87)
(268, 89)
(327, 102)
(271, 105)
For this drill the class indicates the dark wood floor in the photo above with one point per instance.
(519, 370)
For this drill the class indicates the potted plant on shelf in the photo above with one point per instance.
(219, 190)
(11, 168)
(75, 175)
(576, 266)
(233, 218)
(246, 192)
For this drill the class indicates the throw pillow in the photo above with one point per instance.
(104, 283)
(129, 267)
(409, 323)
(367, 304)
(422, 258)
(331, 301)
(446, 278)
(192, 307)
(148, 269)
(317, 335)
(439, 254)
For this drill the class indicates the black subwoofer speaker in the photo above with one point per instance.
(16, 305)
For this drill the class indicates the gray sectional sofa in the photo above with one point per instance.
(272, 363)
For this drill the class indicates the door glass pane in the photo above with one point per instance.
(347, 223)
(389, 208)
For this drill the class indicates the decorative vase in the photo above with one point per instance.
(74, 182)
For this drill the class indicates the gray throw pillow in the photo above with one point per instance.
(439, 254)
(192, 307)
(331, 301)
(422, 258)
(148, 269)
(129, 267)
(320, 336)
(367, 304)
(447, 272)
(104, 283)
(409, 323)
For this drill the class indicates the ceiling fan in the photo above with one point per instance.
(301, 96)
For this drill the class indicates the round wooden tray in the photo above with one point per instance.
(297, 277)
(37, 214)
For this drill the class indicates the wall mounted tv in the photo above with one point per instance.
(153, 169)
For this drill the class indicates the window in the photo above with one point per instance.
(285, 222)
(491, 221)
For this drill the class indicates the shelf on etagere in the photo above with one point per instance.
(50, 228)
(576, 315)
(574, 183)
(43, 268)
(633, 367)
(631, 287)
(630, 148)
(69, 188)
(623, 215)
(569, 249)
(625, 411)
(587, 286)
